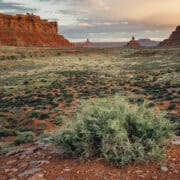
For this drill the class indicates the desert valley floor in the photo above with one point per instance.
(40, 87)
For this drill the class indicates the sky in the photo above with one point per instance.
(103, 20)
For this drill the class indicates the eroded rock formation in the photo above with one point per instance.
(88, 43)
(133, 43)
(30, 30)
(173, 40)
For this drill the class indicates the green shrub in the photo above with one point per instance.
(115, 130)
(58, 54)
(5, 148)
(59, 121)
(12, 57)
(4, 132)
(34, 114)
(2, 57)
(172, 106)
(43, 116)
(23, 56)
(26, 82)
(23, 138)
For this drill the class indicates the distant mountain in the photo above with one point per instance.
(142, 42)
(101, 44)
(148, 42)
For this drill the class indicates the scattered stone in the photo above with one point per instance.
(59, 178)
(38, 163)
(13, 152)
(22, 165)
(142, 176)
(154, 177)
(14, 170)
(6, 170)
(101, 175)
(30, 172)
(164, 168)
(30, 150)
(139, 171)
(37, 177)
(49, 157)
(43, 145)
(22, 156)
(176, 141)
(11, 170)
(11, 162)
(67, 169)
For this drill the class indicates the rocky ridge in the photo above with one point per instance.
(30, 30)
(173, 40)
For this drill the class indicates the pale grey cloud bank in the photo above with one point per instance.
(104, 20)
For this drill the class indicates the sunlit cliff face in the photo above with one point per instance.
(104, 20)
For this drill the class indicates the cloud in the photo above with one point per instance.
(14, 7)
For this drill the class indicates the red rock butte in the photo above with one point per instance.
(133, 43)
(87, 43)
(30, 30)
(173, 40)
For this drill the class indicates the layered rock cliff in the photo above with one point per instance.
(133, 43)
(173, 40)
(30, 30)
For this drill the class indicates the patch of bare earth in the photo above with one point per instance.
(41, 162)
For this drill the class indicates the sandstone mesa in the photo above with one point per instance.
(30, 30)
(173, 40)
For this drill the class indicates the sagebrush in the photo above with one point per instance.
(115, 130)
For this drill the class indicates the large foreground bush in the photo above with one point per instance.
(115, 130)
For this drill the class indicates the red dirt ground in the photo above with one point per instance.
(98, 170)
(94, 169)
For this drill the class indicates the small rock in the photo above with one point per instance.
(100, 174)
(176, 140)
(164, 168)
(6, 170)
(142, 176)
(14, 170)
(38, 163)
(49, 157)
(30, 150)
(11, 162)
(139, 171)
(22, 165)
(29, 172)
(11, 170)
(22, 157)
(13, 152)
(59, 178)
(37, 177)
(154, 177)
(67, 169)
